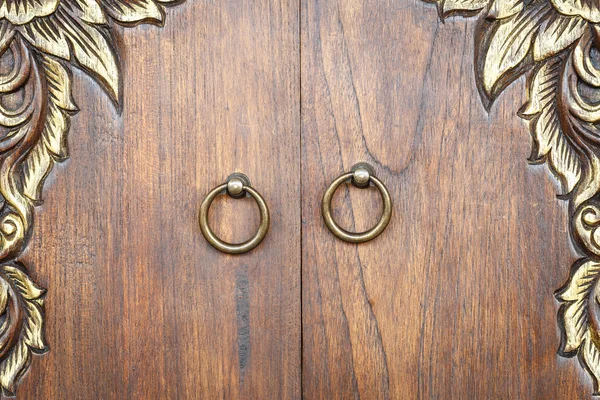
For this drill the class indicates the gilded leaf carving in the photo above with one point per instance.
(556, 44)
(40, 43)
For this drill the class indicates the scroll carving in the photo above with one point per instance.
(40, 42)
(556, 44)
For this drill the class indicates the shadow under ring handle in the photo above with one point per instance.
(361, 176)
(237, 186)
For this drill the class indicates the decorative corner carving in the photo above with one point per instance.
(556, 44)
(40, 42)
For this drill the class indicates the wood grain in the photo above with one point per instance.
(455, 300)
(139, 306)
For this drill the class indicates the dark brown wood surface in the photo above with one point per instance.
(455, 300)
(139, 306)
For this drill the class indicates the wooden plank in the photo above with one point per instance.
(139, 306)
(455, 300)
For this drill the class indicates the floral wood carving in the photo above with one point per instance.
(556, 44)
(40, 42)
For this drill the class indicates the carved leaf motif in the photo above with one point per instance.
(23, 11)
(65, 36)
(512, 44)
(588, 9)
(556, 34)
(591, 357)
(505, 8)
(574, 313)
(506, 44)
(461, 7)
(134, 11)
(52, 145)
(549, 141)
(28, 337)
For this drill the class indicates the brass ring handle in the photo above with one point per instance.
(361, 175)
(237, 186)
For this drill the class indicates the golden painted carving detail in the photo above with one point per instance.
(40, 42)
(556, 44)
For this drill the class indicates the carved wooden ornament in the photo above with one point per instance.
(556, 44)
(40, 42)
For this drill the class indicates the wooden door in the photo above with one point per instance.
(455, 300)
(138, 305)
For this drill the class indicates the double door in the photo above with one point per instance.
(453, 301)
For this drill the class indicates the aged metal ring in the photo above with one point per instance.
(237, 186)
(361, 176)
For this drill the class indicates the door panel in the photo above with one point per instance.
(455, 299)
(139, 306)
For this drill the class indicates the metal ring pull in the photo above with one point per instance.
(237, 186)
(362, 175)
